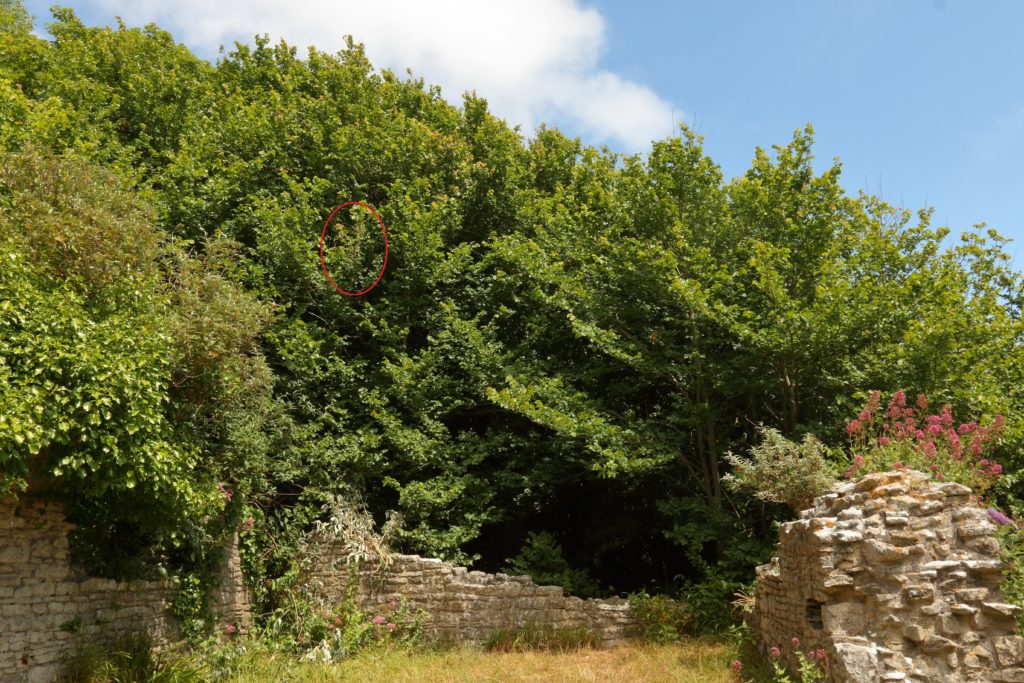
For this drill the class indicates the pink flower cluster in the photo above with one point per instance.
(935, 438)
(818, 656)
(737, 669)
(225, 491)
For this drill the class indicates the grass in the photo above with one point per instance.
(129, 659)
(540, 637)
(698, 661)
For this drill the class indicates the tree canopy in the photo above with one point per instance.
(566, 344)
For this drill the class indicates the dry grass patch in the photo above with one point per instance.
(691, 662)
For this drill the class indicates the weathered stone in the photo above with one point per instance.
(897, 518)
(971, 594)
(952, 488)
(941, 565)
(879, 551)
(961, 608)
(916, 632)
(855, 663)
(844, 618)
(1001, 608)
(904, 537)
(1009, 650)
(898, 577)
(919, 592)
(977, 529)
(984, 545)
(936, 644)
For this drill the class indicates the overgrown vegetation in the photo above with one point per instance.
(781, 471)
(130, 659)
(542, 638)
(566, 348)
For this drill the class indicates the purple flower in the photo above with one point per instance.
(378, 620)
(775, 652)
(230, 628)
(998, 517)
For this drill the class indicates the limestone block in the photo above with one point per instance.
(919, 593)
(879, 551)
(1009, 650)
(979, 528)
(934, 643)
(984, 545)
(952, 488)
(854, 662)
(1001, 609)
(942, 565)
(904, 537)
(971, 594)
(844, 618)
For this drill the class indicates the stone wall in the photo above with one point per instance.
(898, 578)
(47, 609)
(467, 606)
(229, 598)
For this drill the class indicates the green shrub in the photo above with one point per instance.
(704, 608)
(190, 608)
(1011, 542)
(710, 604)
(662, 619)
(783, 471)
(542, 560)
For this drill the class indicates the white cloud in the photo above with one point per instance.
(533, 60)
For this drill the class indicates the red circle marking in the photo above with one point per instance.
(323, 234)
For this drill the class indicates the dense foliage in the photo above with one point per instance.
(566, 342)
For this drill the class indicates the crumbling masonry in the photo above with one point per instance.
(466, 606)
(897, 577)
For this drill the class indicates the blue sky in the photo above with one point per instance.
(922, 100)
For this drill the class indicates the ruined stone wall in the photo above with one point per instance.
(467, 606)
(229, 597)
(47, 609)
(898, 578)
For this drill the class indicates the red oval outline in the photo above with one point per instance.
(323, 234)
